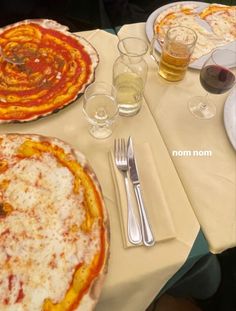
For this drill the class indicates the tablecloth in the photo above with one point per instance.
(200, 149)
(135, 275)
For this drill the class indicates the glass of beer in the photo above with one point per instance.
(177, 48)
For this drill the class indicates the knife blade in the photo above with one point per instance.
(147, 235)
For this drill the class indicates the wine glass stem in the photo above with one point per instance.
(203, 104)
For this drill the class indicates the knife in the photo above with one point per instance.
(147, 234)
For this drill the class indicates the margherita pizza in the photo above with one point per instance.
(53, 227)
(220, 18)
(43, 68)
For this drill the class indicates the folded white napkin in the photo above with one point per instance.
(154, 199)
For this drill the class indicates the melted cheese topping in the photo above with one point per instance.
(42, 240)
(222, 20)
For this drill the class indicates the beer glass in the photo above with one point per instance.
(177, 48)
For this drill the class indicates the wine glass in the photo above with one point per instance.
(217, 76)
(100, 108)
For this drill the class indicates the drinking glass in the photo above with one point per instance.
(129, 75)
(100, 108)
(217, 76)
(176, 50)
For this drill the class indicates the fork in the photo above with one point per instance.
(120, 154)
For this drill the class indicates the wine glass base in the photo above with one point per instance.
(202, 108)
(100, 132)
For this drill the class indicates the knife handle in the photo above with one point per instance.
(134, 233)
(148, 238)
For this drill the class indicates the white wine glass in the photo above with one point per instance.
(100, 108)
(217, 76)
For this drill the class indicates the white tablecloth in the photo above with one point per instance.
(135, 275)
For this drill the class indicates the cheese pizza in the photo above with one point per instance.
(173, 16)
(220, 18)
(43, 68)
(53, 227)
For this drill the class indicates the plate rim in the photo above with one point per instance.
(229, 106)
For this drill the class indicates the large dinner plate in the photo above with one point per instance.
(230, 116)
(197, 64)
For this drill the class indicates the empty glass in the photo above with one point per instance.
(100, 108)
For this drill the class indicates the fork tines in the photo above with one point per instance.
(120, 150)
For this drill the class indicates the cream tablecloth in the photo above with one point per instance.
(200, 149)
(135, 275)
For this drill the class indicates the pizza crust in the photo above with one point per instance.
(46, 23)
(90, 300)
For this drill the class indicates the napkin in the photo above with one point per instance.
(153, 195)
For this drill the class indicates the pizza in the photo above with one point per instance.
(215, 26)
(53, 226)
(222, 20)
(173, 16)
(43, 68)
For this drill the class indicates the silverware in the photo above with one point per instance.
(120, 153)
(147, 234)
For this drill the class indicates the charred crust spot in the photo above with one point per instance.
(5, 209)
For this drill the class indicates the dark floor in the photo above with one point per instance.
(225, 297)
(169, 303)
(223, 300)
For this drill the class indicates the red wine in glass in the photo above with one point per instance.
(216, 79)
(217, 76)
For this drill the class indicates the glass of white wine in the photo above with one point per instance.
(129, 75)
(100, 108)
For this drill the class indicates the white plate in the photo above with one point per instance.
(197, 64)
(230, 116)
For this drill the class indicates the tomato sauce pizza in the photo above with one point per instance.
(43, 68)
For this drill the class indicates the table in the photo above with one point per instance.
(137, 274)
(208, 175)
